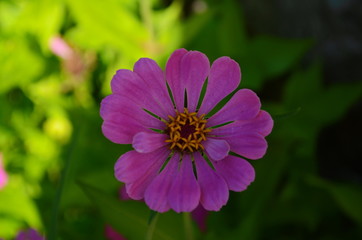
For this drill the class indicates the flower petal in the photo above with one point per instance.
(156, 196)
(224, 77)
(195, 67)
(263, 124)
(154, 81)
(122, 193)
(244, 105)
(123, 119)
(136, 189)
(214, 190)
(121, 130)
(249, 145)
(145, 142)
(116, 106)
(199, 215)
(130, 85)
(29, 234)
(216, 149)
(112, 234)
(132, 165)
(185, 194)
(173, 72)
(237, 172)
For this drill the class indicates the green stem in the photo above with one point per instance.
(151, 227)
(146, 14)
(189, 234)
(53, 230)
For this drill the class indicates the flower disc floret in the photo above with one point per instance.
(186, 131)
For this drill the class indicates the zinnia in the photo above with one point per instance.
(181, 155)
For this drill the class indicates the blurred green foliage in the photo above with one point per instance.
(49, 121)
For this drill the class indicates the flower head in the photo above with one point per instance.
(181, 153)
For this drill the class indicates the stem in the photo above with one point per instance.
(151, 227)
(146, 14)
(53, 231)
(189, 234)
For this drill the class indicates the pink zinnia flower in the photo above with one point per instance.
(181, 155)
(61, 48)
(73, 61)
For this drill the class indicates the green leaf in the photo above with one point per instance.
(100, 24)
(15, 56)
(17, 207)
(271, 56)
(276, 55)
(347, 196)
(303, 85)
(130, 218)
(288, 114)
(330, 105)
(319, 106)
(43, 18)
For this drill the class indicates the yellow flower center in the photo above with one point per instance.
(187, 131)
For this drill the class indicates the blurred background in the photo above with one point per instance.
(303, 58)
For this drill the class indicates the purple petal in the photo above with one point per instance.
(237, 172)
(214, 190)
(154, 81)
(173, 72)
(122, 193)
(137, 170)
(224, 77)
(244, 105)
(195, 67)
(116, 106)
(200, 217)
(216, 149)
(156, 196)
(133, 165)
(185, 194)
(112, 234)
(123, 119)
(263, 124)
(145, 142)
(131, 86)
(249, 145)
(29, 234)
(121, 130)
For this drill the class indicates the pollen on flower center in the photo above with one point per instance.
(187, 131)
